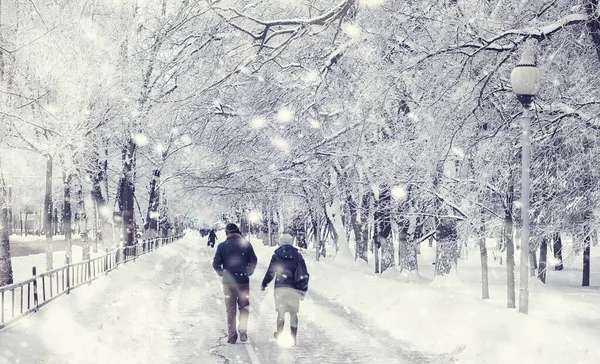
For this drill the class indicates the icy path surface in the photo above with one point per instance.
(168, 308)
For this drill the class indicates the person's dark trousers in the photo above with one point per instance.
(237, 296)
(293, 323)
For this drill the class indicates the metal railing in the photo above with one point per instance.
(20, 299)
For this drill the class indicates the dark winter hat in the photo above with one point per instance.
(232, 228)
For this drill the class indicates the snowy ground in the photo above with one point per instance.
(168, 308)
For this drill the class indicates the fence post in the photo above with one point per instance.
(106, 257)
(89, 270)
(35, 289)
(68, 275)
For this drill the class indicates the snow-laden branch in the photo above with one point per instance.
(521, 35)
(535, 32)
(325, 18)
(307, 156)
(451, 204)
(271, 29)
(577, 113)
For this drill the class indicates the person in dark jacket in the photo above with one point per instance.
(288, 295)
(235, 261)
(212, 238)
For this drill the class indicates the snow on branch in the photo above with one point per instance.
(272, 28)
(451, 204)
(521, 35)
(535, 32)
(333, 58)
(337, 12)
(309, 152)
(591, 121)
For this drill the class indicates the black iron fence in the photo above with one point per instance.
(23, 298)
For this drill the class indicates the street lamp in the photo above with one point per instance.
(525, 81)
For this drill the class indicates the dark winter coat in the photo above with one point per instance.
(283, 267)
(235, 260)
(212, 236)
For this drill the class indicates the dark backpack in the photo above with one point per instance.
(301, 277)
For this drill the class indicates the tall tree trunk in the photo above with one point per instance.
(418, 234)
(95, 224)
(586, 259)
(66, 217)
(127, 192)
(407, 242)
(99, 177)
(543, 260)
(83, 223)
(10, 211)
(356, 228)
(55, 219)
(446, 247)
(592, 7)
(48, 213)
(558, 252)
(485, 286)
(384, 228)
(532, 262)
(363, 214)
(6, 273)
(315, 227)
(334, 213)
(407, 248)
(153, 203)
(269, 225)
(510, 247)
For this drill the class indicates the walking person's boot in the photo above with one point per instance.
(294, 333)
(232, 338)
(280, 323)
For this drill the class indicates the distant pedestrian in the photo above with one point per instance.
(288, 269)
(235, 261)
(212, 238)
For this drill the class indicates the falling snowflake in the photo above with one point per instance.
(254, 216)
(399, 192)
(285, 115)
(258, 123)
(458, 152)
(140, 139)
(311, 77)
(351, 30)
(371, 3)
(186, 139)
(281, 144)
(106, 212)
(314, 124)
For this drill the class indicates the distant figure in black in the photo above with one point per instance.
(212, 238)
(291, 283)
(235, 261)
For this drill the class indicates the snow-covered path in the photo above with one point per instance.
(168, 308)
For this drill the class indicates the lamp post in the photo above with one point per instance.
(525, 81)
